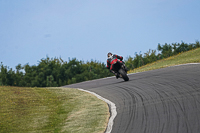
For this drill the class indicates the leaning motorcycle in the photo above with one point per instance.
(119, 67)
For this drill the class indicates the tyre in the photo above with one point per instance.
(124, 75)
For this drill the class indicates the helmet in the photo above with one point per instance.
(109, 55)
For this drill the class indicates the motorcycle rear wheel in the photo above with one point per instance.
(124, 75)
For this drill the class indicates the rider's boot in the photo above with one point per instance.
(117, 75)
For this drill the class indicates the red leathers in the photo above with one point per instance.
(111, 60)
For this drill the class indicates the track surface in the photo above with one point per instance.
(159, 101)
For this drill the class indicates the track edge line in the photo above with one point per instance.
(112, 109)
(167, 67)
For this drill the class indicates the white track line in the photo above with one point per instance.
(113, 111)
(186, 64)
(167, 67)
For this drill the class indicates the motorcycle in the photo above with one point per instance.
(120, 68)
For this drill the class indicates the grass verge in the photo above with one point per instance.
(51, 110)
(192, 56)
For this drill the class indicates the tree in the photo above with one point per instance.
(50, 81)
(4, 75)
(182, 47)
(197, 45)
(167, 50)
(150, 56)
(19, 76)
(129, 62)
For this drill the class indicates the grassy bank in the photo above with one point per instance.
(192, 56)
(51, 110)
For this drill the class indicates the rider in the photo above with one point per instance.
(109, 66)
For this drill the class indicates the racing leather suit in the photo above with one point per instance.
(109, 66)
(109, 60)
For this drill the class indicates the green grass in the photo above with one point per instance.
(51, 110)
(192, 56)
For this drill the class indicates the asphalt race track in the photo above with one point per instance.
(159, 101)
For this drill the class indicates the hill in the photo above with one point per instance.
(192, 56)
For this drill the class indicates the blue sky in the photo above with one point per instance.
(89, 29)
